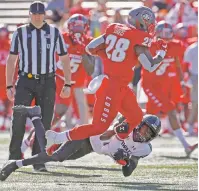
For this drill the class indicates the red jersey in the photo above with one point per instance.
(75, 54)
(4, 51)
(119, 46)
(168, 67)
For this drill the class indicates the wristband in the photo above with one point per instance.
(182, 83)
(9, 87)
(161, 53)
(67, 85)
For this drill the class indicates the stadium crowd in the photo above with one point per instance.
(180, 67)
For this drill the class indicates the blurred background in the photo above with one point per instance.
(182, 14)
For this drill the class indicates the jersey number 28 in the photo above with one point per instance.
(116, 49)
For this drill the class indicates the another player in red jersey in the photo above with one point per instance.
(163, 86)
(181, 32)
(122, 46)
(75, 41)
(4, 51)
(169, 74)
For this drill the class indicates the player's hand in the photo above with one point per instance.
(184, 87)
(121, 155)
(11, 93)
(162, 45)
(65, 92)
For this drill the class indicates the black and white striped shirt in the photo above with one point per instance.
(37, 47)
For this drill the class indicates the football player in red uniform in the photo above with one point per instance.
(181, 33)
(75, 42)
(163, 86)
(122, 46)
(4, 51)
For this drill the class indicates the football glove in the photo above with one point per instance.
(121, 155)
(130, 166)
(162, 45)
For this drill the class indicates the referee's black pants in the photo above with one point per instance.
(26, 90)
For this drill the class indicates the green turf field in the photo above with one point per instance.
(166, 169)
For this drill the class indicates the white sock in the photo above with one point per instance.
(25, 144)
(19, 163)
(190, 128)
(62, 137)
(178, 133)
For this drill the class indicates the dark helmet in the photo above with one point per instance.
(148, 129)
(78, 23)
(164, 30)
(181, 31)
(142, 18)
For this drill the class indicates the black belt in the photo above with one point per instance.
(37, 76)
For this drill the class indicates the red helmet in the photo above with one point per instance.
(164, 30)
(181, 31)
(4, 33)
(78, 23)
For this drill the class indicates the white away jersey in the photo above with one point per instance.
(133, 148)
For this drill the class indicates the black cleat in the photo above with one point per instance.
(8, 168)
(31, 112)
(39, 168)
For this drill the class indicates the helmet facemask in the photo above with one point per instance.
(78, 27)
(164, 30)
(148, 22)
(143, 133)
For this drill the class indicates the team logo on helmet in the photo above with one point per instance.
(146, 16)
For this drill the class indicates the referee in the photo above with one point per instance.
(35, 45)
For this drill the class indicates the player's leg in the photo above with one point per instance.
(163, 104)
(131, 111)
(106, 107)
(133, 114)
(65, 152)
(34, 113)
(27, 142)
(85, 149)
(194, 100)
(63, 107)
(81, 105)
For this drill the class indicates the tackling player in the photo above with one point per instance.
(135, 146)
(121, 46)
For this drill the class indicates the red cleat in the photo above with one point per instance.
(121, 162)
(52, 149)
(190, 149)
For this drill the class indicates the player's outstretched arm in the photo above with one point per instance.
(130, 166)
(88, 63)
(97, 47)
(145, 58)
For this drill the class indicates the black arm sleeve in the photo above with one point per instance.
(130, 166)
